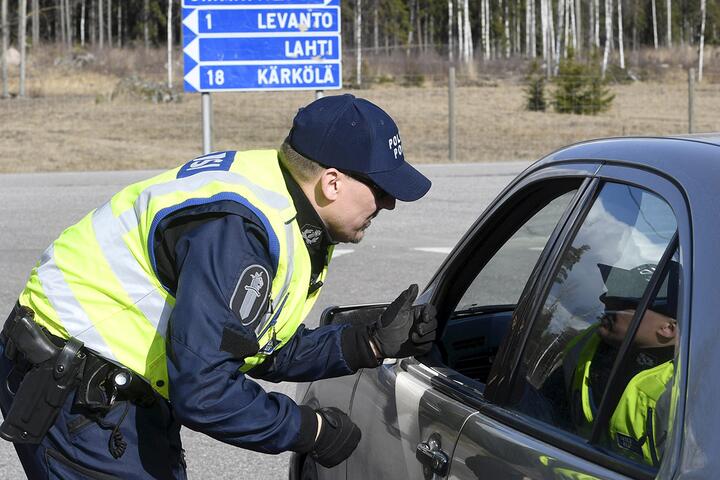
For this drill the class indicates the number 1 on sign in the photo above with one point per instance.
(216, 77)
(208, 18)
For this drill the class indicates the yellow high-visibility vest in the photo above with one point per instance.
(633, 424)
(98, 281)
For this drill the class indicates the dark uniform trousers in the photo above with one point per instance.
(78, 446)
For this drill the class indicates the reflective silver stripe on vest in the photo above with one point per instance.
(72, 315)
(135, 281)
(195, 182)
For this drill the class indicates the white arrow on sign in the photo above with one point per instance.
(193, 77)
(193, 49)
(192, 22)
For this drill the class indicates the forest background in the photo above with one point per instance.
(102, 84)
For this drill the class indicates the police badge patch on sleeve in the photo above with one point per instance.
(250, 298)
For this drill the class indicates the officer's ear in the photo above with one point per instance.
(668, 330)
(330, 184)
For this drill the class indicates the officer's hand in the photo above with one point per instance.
(337, 437)
(405, 330)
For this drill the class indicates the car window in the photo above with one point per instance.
(502, 279)
(574, 341)
(474, 333)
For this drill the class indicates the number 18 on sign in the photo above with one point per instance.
(261, 45)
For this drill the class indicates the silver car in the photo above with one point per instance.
(578, 334)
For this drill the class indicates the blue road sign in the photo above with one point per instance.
(264, 20)
(265, 49)
(261, 45)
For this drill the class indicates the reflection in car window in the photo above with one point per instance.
(472, 336)
(503, 278)
(574, 341)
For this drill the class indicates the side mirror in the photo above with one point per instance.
(354, 314)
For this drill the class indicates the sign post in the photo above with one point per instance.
(259, 45)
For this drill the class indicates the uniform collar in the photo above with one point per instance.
(315, 234)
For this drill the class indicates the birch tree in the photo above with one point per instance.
(22, 37)
(608, 35)
(450, 30)
(5, 41)
(35, 14)
(654, 22)
(358, 41)
(109, 23)
(703, 12)
(101, 24)
(669, 23)
(620, 35)
(169, 43)
(82, 23)
(468, 48)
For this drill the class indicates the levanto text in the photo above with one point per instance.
(296, 20)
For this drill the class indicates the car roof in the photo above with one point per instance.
(673, 155)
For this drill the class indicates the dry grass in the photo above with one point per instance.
(68, 123)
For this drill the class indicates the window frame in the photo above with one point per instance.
(470, 255)
(662, 186)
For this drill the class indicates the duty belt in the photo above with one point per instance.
(49, 368)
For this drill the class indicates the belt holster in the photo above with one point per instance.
(52, 373)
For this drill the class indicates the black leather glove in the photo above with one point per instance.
(405, 330)
(338, 437)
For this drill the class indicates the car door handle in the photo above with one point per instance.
(431, 455)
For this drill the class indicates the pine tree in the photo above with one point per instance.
(581, 88)
(535, 90)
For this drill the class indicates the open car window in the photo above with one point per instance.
(482, 315)
(591, 345)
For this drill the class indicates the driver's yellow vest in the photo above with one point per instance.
(98, 281)
(633, 423)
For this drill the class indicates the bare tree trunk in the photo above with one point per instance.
(101, 24)
(551, 36)
(544, 27)
(358, 41)
(5, 41)
(35, 14)
(93, 23)
(506, 27)
(68, 20)
(461, 32)
(620, 35)
(654, 21)
(119, 25)
(450, 30)
(533, 29)
(376, 27)
(608, 35)
(63, 25)
(109, 23)
(82, 23)
(669, 23)
(596, 4)
(487, 29)
(561, 28)
(468, 34)
(146, 20)
(22, 37)
(577, 22)
(169, 43)
(411, 30)
(703, 13)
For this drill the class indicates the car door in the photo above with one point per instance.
(410, 423)
(566, 383)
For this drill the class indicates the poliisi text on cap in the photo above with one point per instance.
(395, 145)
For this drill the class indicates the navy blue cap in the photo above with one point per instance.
(354, 135)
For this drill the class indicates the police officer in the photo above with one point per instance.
(156, 309)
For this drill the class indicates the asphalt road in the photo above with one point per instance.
(401, 247)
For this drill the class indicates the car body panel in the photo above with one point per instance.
(403, 403)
